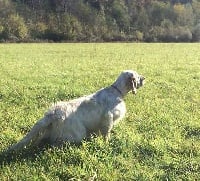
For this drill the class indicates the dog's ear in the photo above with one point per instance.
(134, 85)
(132, 82)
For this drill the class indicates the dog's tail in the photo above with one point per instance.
(35, 136)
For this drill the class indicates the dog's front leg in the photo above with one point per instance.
(106, 126)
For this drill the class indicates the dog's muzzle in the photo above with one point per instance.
(142, 80)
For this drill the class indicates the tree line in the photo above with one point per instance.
(100, 20)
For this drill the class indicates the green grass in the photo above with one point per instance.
(158, 140)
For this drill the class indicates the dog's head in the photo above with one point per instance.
(134, 80)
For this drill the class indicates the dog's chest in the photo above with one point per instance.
(119, 111)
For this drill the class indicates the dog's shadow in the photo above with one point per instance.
(9, 157)
(31, 153)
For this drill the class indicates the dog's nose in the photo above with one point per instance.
(142, 80)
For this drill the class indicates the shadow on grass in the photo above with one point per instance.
(146, 152)
(30, 153)
(192, 132)
(7, 158)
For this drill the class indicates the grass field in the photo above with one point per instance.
(158, 140)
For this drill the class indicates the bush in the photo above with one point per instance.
(15, 28)
(70, 27)
(38, 30)
(196, 33)
(138, 35)
(1, 31)
(182, 34)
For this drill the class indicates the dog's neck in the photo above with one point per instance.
(121, 89)
(117, 90)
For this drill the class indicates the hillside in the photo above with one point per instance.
(100, 20)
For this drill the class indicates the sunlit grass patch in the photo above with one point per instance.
(158, 139)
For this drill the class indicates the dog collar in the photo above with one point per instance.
(116, 89)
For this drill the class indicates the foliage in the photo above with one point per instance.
(97, 20)
(196, 32)
(159, 139)
(14, 28)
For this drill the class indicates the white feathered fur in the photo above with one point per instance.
(77, 119)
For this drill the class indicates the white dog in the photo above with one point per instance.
(77, 119)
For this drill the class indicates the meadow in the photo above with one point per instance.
(159, 139)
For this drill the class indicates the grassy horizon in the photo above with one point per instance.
(159, 139)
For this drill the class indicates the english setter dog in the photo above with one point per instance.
(74, 120)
